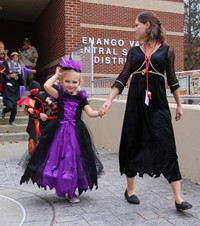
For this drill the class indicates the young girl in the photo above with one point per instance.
(24, 69)
(65, 157)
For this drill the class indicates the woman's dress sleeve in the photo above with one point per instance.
(123, 77)
(170, 71)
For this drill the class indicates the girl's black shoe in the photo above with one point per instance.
(183, 206)
(133, 199)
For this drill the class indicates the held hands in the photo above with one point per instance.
(101, 112)
(34, 71)
(104, 108)
(179, 113)
(43, 117)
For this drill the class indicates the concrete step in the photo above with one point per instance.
(13, 137)
(20, 112)
(10, 133)
(18, 120)
(13, 129)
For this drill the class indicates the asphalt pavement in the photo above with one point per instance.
(29, 205)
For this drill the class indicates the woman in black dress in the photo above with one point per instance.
(147, 141)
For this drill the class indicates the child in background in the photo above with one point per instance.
(11, 82)
(33, 128)
(3, 58)
(24, 69)
(65, 158)
(45, 107)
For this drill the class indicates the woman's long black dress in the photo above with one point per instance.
(147, 141)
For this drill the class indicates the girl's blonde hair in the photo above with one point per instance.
(155, 31)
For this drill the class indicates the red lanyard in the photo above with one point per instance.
(147, 62)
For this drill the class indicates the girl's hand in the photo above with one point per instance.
(43, 117)
(179, 113)
(58, 70)
(2, 70)
(101, 112)
(30, 110)
(48, 100)
(33, 71)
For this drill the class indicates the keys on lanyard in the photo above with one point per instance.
(148, 95)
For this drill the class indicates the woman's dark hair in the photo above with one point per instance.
(155, 31)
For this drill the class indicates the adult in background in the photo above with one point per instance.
(29, 56)
(3, 48)
(147, 140)
(3, 57)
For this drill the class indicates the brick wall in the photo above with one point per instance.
(72, 25)
(51, 33)
(115, 16)
(58, 31)
(61, 26)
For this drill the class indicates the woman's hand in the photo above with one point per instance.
(179, 113)
(105, 107)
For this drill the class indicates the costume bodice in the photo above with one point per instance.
(70, 106)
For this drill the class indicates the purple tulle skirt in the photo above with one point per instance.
(64, 167)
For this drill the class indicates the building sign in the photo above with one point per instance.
(195, 84)
(109, 51)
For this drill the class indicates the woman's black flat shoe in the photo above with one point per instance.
(133, 199)
(183, 206)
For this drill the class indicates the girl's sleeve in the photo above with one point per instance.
(60, 90)
(170, 71)
(27, 70)
(123, 77)
(83, 97)
(85, 102)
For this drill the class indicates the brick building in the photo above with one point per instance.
(62, 25)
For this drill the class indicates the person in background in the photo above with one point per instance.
(11, 81)
(24, 70)
(3, 48)
(147, 141)
(29, 56)
(45, 107)
(2, 59)
(33, 127)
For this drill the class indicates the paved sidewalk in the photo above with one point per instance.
(28, 205)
